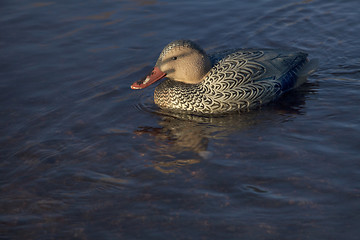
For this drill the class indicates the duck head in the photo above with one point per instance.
(180, 60)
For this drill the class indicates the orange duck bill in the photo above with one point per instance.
(154, 76)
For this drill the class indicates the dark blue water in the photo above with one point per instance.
(85, 157)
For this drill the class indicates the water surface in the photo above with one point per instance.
(85, 157)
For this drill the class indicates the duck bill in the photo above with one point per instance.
(155, 75)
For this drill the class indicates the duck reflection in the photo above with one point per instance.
(183, 139)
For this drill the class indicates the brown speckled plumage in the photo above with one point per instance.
(222, 82)
(240, 79)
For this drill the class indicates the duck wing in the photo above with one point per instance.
(246, 78)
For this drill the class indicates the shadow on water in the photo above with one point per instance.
(183, 139)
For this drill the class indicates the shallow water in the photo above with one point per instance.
(85, 157)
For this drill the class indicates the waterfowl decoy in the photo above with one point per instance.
(227, 81)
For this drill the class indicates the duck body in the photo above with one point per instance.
(233, 80)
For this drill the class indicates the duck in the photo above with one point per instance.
(234, 80)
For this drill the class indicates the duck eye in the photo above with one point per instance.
(173, 58)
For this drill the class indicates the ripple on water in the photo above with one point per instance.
(84, 156)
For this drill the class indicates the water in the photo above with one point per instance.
(85, 157)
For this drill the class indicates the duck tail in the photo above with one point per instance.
(309, 68)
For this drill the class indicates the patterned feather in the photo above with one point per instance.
(239, 80)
